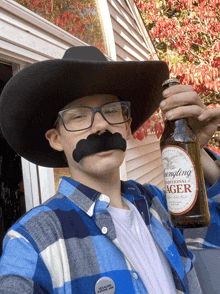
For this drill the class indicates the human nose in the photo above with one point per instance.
(99, 123)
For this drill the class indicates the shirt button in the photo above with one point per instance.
(104, 230)
(135, 276)
(104, 198)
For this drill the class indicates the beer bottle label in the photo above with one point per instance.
(181, 184)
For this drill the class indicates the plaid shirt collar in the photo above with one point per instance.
(85, 198)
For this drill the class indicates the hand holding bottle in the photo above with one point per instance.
(183, 102)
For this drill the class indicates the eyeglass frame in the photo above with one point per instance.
(94, 110)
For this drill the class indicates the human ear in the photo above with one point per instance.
(53, 137)
(128, 129)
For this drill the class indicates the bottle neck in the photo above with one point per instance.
(177, 123)
(179, 129)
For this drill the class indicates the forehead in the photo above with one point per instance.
(92, 101)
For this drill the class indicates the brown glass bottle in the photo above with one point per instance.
(183, 175)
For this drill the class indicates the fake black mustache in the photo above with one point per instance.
(98, 143)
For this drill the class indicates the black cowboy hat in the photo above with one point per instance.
(32, 98)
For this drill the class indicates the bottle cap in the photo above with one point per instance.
(170, 81)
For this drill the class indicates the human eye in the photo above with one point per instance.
(76, 115)
(73, 116)
(112, 110)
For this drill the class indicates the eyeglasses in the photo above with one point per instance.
(81, 118)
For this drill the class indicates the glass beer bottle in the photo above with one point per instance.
(183, 175)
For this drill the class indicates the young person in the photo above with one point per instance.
(98, 234)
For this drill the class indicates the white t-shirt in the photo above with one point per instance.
(148, 259)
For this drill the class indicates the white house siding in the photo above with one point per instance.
(27, 37)
(143, 161)
(129, 41)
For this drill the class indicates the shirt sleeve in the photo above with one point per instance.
(19, 266)
(213, 192)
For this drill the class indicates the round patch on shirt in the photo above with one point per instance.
(105, 285)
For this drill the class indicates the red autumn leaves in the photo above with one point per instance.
(186, 35)
(155, 124)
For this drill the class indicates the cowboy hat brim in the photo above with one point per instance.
(31, 99)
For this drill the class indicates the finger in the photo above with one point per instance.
(177, 89)
(183, 112)
(210, 114)
(181, 99)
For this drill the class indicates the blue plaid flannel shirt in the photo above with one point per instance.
(59, 246)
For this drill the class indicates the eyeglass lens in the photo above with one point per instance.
(81, 117)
